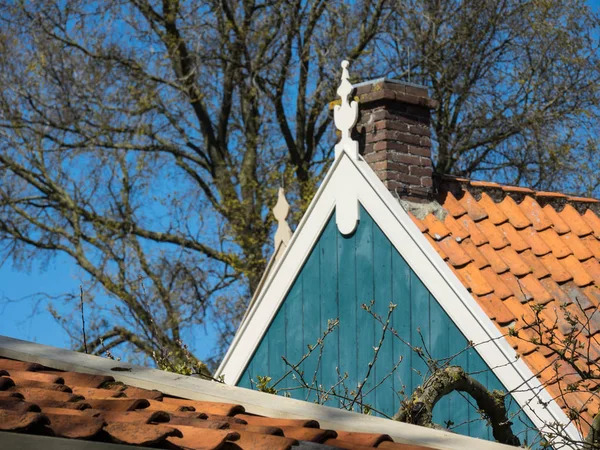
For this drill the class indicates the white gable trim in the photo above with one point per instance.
(408, 240)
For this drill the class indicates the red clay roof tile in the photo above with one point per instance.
(456, 255)
(21, 422)
(493, 211)
(365, 439)
(537, 244)
(492, 256)
(517, 243)
(500, 289)
(134, 392)
(576, 245)
(536, 290)
(453, 206)
(259, 420)
(592, 245)
(144, 435)
(119, 404)
(457, 230)
(558, 224)
(473, 209)
(539, 270)
(90, 393)
(534, 212)
(556, 269)
(495, 309)
(75, 427)
(478, 259)
(493, 234)
(553, 240)
(257, 441)
(593, 221)
(474, 280)
(419, 223)
(515, 216)
(221, 409)
(576, 222)
(476, 235)
(575, 268)
(308, 434)
(517, 266)
(436, 229)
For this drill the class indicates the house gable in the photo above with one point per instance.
(428, 267)
(340, 275)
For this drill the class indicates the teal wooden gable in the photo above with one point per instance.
(342, 273)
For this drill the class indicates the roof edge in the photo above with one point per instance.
(256, 402)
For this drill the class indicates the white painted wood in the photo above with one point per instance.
(284, 232)
(254, 402)
(345, 116)
(427, 264)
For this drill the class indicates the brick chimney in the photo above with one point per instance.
(394, 136)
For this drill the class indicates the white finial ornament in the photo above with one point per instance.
(345, 116)
(284, 232)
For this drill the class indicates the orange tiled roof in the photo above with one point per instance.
(38, 400)
(515, 248)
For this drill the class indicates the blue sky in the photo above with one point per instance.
(24, 317)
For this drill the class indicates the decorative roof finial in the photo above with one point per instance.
(284, 232)
(345, 116)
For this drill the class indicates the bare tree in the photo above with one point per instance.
(145, 139)
(516, 83)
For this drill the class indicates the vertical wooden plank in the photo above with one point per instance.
(401, 277)
(382, 271)
(347, 308)
(457, 348)
(293, 320)
(478, 369)
(311, 317)
(419, 333)
(439, 322)
(329, 305)
(365, 331)
(276, 337)
(259, 364)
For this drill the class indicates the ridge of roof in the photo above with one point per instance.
(498, 191)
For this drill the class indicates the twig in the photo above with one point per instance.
(83, 319)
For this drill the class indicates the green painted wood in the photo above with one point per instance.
(311, 316)
(365, 330)
(419, 329)
(401, 276)
(294, 345)
(346, 283)
(329, 309)
(340, 274)
(383, 293)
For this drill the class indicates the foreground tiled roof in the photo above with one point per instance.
(514, 248)
(38, 400)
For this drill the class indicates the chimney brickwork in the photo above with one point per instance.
(393, 130)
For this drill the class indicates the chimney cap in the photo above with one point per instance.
(393, 91)
(388, 80)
